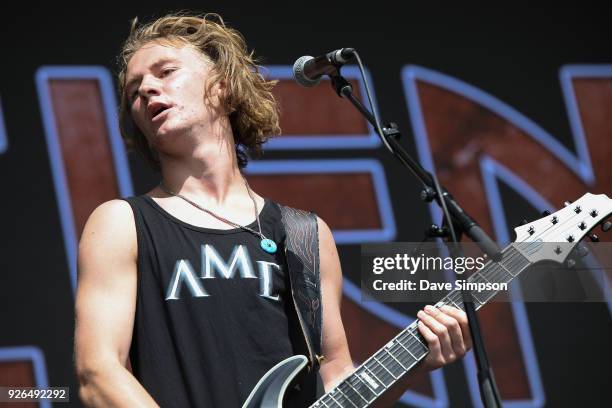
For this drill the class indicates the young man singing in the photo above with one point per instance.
(187, 295)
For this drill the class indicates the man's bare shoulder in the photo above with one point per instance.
(113, 216)
(111, 225)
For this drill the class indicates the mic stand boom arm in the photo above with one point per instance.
(488, 388)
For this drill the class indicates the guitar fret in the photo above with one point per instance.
(454, 304)
(387, 363)
(403, 333)
(409, 352)
(336, 401)
(474, 278)
(477, 300)
(338, 396)
(518, 261)
(501, 264)
(381, 373)
(496, 269)
(488, 294)
(417, 339)
(375, 376)
(459, 299)
(368, 386)
(347, 398)
(391, 363)
(418, 349)
(332, 399)
(357, 391)
(358, 376)
(350, 394)
(383, 366)
(399, 362)
(414, 345)
(401, 354)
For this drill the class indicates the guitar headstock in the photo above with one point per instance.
(566, 227)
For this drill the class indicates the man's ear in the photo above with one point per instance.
(222, 89)
(220, 93)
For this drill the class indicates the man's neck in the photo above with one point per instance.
(211, 174)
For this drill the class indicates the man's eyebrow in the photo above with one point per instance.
(155, 65)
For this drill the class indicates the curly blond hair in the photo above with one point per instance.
(253, 111)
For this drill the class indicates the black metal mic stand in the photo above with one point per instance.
(432, 191)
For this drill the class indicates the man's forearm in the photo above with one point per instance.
(112, 386)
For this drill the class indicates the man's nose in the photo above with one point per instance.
(150, 86)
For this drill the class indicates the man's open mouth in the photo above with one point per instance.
(159, 111)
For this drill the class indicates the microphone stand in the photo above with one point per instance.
(432, 191)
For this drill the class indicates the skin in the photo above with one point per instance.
(195, 145)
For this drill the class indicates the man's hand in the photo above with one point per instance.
(447, 333)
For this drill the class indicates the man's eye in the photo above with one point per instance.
(167, 72)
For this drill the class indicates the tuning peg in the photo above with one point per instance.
(546, 213)
(524, 221)
(570, 263)
(582, 250)
(593, 237)
(567, 203)
(606, 226)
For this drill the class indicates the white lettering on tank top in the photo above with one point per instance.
(183, 272)
(239, 259)
(213, 267)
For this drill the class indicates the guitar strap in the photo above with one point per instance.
(302, 254)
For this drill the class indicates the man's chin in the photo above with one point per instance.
(164, 131)
(166, 134)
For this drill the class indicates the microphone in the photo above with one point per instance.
(308, 70)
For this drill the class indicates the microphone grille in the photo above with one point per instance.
(299, 75)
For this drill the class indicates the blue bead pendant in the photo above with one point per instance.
(268, 245)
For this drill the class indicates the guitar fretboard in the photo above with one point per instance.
(377, 374)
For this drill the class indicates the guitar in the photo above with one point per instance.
(390, 363)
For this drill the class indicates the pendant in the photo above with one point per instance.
(268, 245)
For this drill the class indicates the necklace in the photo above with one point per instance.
(266, 244)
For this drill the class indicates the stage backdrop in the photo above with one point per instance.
(512, 108)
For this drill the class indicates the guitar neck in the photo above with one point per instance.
(383, 369)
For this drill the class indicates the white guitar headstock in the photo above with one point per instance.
(565, 227)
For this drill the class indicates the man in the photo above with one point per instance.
(189, 282)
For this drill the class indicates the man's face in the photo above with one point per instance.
(165, 88)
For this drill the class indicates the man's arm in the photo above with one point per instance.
(337, 363)
(445, 330)
(105, 306)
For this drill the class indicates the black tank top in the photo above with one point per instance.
(212, 308)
